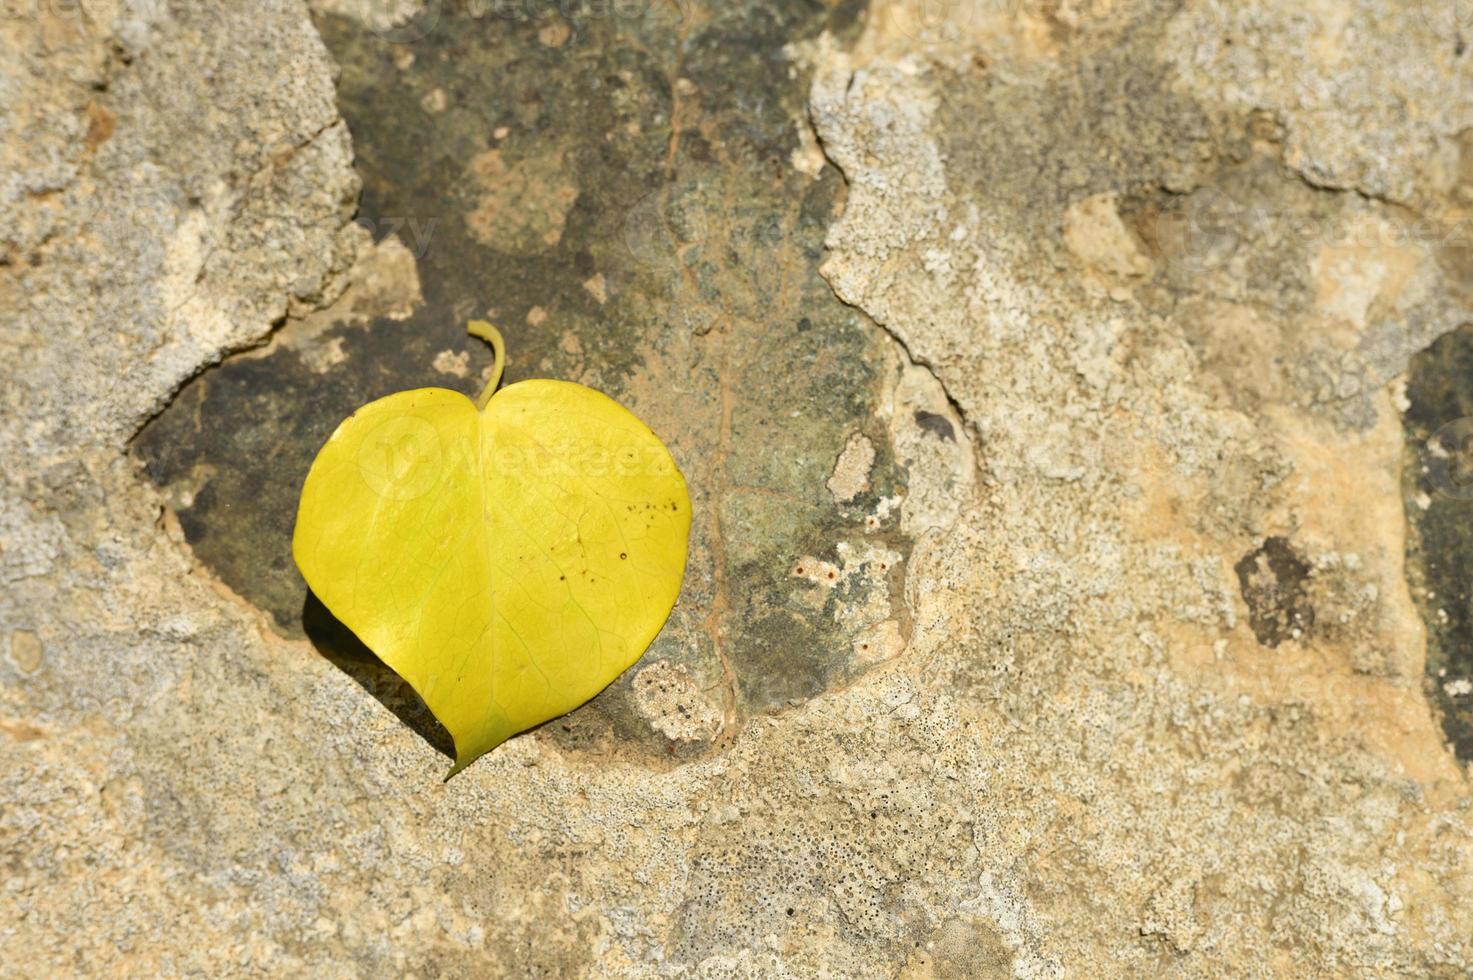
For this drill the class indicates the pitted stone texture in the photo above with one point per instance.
(1082, 761)
(183, 200)
(1174, 345)
(677, 274)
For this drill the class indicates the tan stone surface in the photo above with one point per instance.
(1155, 291)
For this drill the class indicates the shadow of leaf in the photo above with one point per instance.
(349, 654)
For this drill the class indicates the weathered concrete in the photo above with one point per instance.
(1037, 371)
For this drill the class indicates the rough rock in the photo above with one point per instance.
(1132, 294)
(1175, 339)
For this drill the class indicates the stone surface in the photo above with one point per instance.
(1058, 604)
(680, 276)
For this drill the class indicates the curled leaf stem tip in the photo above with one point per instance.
(488, 333)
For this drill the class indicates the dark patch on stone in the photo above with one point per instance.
(770, 675)
(1273, 581)
(938, 425)
(659, 267)
(1438, 471)
(245, 434)
(1029, 157)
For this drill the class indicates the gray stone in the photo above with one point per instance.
(1125, 302)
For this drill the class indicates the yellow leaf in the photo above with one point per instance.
(508, 557)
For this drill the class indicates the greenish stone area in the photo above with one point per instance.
(1438, 481)
(613, 186)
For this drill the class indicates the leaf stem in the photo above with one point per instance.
(488, 333)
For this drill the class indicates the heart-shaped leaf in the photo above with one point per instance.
(508, 557)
